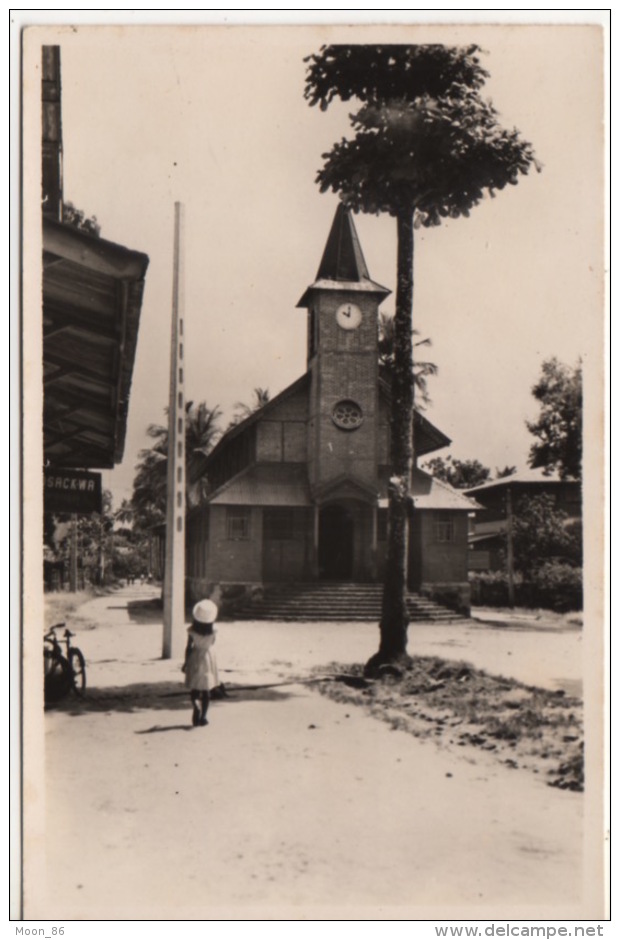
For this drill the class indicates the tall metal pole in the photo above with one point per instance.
(174, 575)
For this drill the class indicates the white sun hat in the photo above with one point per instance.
(205, 612)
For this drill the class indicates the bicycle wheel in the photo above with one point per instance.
(77, 665)
(57, 679)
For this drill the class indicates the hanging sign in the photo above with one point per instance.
(71, 491)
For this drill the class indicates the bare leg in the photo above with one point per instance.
(195, 697)
(204, 703)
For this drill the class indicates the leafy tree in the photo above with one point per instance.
(462, 474)
(243, 411)
(558, 586)
(78, 219)
(125, 513)
(426, 146)
(93, 530)
(149, 486)
(104, 551)
(421, 370)
(541, 533)
(507, 471)
(559, 426)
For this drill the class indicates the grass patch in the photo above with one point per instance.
(62, 605)
(458, 706)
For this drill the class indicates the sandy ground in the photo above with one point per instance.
(289, 804)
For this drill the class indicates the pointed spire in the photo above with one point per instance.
(342, 266)
(342, 259)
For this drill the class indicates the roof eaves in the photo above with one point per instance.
(522, 479)
(462, 494)
(365, 286)
(228, 483)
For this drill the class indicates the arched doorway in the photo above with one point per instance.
(336, 531)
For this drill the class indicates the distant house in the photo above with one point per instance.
(298, 491)
(487, 541)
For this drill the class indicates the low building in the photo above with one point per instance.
(498, 498)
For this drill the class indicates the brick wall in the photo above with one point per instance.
(345, 367)
(443, 561)
(234, 559)
(282, 436)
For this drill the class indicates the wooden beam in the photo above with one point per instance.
(91, 253)
(91, 455)
(87, 332)
(85, 370)
(67, 436)
(59, 374)
(63, 414)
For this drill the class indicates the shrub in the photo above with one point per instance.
(558, 586)
(553, 585)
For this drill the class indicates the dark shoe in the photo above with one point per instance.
(203, 722)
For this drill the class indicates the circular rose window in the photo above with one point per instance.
(347, 415)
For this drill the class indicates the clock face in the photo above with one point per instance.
(348, 316)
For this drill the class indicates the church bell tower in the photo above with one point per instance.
(342, 306)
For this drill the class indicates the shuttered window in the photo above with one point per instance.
(444, 530)
(238, 523)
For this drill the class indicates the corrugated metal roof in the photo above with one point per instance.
(92, 300)
(484, 537)
(364, 286)
(268, 484)
(280, 484)
(429, 493)
(521, 476)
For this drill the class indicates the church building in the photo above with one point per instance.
(297, 492)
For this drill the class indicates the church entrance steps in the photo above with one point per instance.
(344, 601)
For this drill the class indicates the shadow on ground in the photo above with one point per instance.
(526, 626)
(140, 610)
(158, 696)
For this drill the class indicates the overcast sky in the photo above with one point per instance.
(215, 118)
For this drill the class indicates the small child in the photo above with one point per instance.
(200, 665)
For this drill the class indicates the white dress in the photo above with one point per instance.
(201, 665)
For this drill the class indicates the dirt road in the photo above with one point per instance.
(287, 804)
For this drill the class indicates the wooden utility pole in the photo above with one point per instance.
(510, 561)
(174, 575)
(73, 554)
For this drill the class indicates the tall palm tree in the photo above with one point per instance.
(125, 512)
(201, 434)
(260, 397)
(150, 482)
(421, 369)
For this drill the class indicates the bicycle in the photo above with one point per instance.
(62, 671)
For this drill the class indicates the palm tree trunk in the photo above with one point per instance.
(394, 615)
